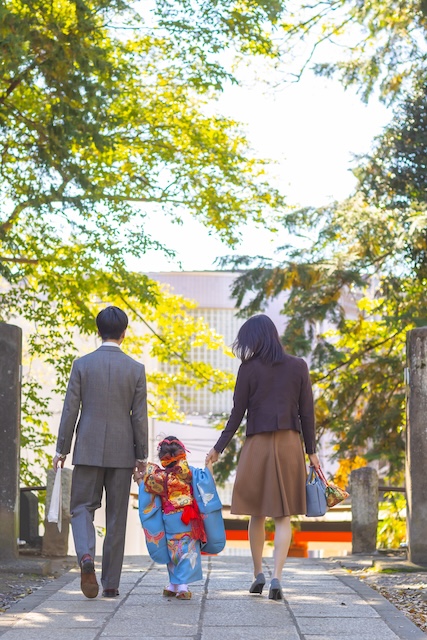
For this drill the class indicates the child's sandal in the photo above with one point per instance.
(183, 595)
(169, 594)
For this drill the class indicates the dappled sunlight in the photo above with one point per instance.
(36, 620)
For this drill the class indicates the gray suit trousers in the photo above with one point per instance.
(86, 495)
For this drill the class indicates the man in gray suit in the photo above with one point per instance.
(108, 390)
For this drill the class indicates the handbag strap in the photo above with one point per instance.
(322, 476)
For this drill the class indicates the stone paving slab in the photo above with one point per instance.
(384, 635)
(322, 602)
(252, 633)
(332, 628)
(230, 593)
(227, 612)
(184, 613)
(241, 586)
(153, 620)
(51, 634)
(336, 597)
(98, 605)
(334, 611)
(178, 630)
(79, 620)
(7, 621)
(157, 601)
(333, 588)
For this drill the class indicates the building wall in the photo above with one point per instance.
(211, 291)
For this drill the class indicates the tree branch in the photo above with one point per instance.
(19, 78)
(162, 339)
(6, 226)
(327, 36)
(19, 260)
(118, 198)
(54, 198)
(357, 355)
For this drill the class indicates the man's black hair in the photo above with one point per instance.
(111, 323)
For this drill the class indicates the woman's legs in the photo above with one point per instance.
(256, 539)
(282, 541)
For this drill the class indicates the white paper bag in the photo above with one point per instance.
(55, 509)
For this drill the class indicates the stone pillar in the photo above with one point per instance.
(10, 419)
(416, 444)
(29, 518)
(364, 509)
(55, 543)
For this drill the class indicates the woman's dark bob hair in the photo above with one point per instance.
(258, 338)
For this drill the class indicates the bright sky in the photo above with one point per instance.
(311, 129)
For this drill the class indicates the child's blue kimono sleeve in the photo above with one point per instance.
(207, 498)
(150, 514)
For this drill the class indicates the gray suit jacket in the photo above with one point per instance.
(108, 389)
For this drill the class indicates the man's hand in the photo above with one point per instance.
(139, 470)
(141, 465)
(58, 461)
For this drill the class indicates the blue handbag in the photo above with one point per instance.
(315, 492)
(210, 506)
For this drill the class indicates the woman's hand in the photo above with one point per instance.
(212, 456)
(314, 460)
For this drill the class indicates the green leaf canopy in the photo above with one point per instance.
(105, 114)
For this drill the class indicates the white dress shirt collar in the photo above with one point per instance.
(110, 344)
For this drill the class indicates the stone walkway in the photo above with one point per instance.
(322, 602)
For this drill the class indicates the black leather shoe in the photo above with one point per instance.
(275, 592)
(258, 584)
(110, 593)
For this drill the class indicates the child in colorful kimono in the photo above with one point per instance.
(171, 518)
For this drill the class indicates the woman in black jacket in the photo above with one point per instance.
(274, 389)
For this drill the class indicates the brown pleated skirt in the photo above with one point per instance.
(270, 476)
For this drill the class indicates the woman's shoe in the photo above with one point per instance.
(183, 595)
(258, 584)
(275, 592)
(168, 593)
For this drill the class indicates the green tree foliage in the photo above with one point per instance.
(377, 43)
(392, 532)
(357, 282)
(207, 27)
(394, 176)
(104, 117)
(354, 288)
